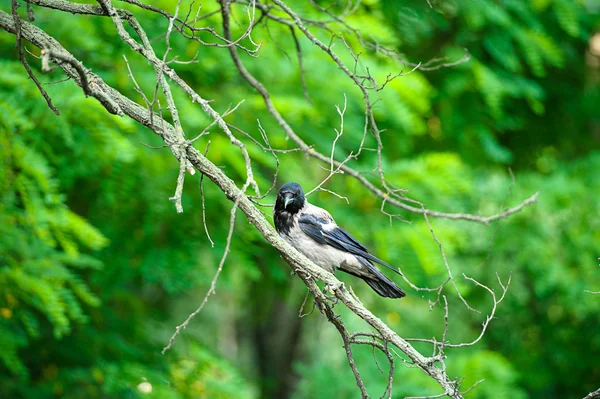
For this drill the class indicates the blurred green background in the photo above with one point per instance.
(97, 268)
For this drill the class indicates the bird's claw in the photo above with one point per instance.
(331, 289)
(332, 299)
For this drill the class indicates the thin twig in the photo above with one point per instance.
(82, 75)
(448, 270)
(212, 244)
(17, 21)
(179, 189)
(213, 283)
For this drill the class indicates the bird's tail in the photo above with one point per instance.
(385, 287)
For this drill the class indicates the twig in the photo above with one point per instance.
(192, 27)
(448, 270)
(337, 322)
(179, 189)
(212, 244)
(82, 78)
(183, 150)
(492, 313)
(213, 283)
(378, 192)
(332, 163)
(17, 24)
(301, 313)
(300, 64)
(148, 53)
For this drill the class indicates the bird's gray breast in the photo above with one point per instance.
(323, 255)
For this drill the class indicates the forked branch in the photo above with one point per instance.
(383, 339)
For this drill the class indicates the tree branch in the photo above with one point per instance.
(188, 156)
(593, 395)
(386, 193)
(17, 31)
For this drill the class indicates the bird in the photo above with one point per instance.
(314, 233)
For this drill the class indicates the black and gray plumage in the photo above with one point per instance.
(314, 233)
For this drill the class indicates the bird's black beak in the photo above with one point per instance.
(287, 198)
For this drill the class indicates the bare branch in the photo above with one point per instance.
(321, 301)
(448, 270)
(183, 25)
(183, 150)
(441, 395)
(339, 134)
(17, 27)
(492, 313)
(593, 395)
(176, 199)
(212, 244)
(213, 283)
(160, 68)
(385, 193)
(83, 80)
(301, 313)
(385, 349)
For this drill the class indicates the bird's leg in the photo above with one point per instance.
(322, 305)
(332, 298)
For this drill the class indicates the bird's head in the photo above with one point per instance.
(290, 198)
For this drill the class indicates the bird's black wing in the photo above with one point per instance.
(337, 237)
(312, 226)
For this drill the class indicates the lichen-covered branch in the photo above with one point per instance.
(189, 158)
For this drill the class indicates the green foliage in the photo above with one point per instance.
(53, 272)
(42, 238)
(523, 53)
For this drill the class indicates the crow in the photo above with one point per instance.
(314, 233)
